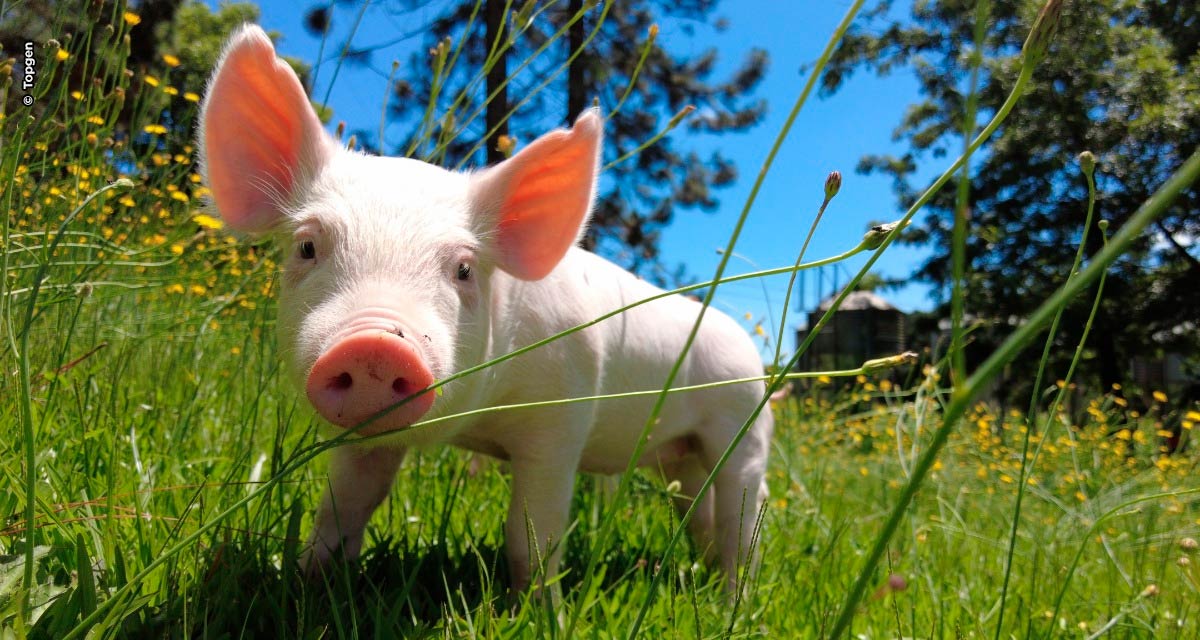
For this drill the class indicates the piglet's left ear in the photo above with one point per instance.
(537, 202)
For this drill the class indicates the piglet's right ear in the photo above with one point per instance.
(260, 141)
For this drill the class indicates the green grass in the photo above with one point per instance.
(156, 434)
(140, 377)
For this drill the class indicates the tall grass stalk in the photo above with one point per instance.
(1028, 465)
(830, 192)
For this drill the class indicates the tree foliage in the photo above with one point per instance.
(590, 52)
(1122, 79)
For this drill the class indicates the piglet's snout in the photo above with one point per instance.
(364, 373)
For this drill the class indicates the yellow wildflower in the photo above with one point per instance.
(132, 18)
(1159, 396)
(151, 80)
(171, 60)
(207, 221)
(171, 91)
(62, 55)
(175, 288)
(191, 97)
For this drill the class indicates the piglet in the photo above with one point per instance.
(397, 274)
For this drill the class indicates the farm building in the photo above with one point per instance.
(865, 326)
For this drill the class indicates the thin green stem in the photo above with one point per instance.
(798, 375)
(345, 51)
(1026, 463)
(637, 70)
(671, 124)
(787, 297)
(958, 244)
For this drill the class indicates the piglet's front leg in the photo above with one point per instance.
(359, 480)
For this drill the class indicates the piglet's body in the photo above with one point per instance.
(399, 273)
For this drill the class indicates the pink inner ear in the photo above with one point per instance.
(259, 133)
(548, 196)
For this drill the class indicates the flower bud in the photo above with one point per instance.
(1040, 35)
(876, 235)
(506, 144)
(1103, 224)
(879, 364)
(1087, 162)
(832, 184)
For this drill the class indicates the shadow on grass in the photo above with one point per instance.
(390, 592)
(394, 590)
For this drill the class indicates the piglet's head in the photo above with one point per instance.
(387, 262)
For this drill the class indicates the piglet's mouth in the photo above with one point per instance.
(364, 372)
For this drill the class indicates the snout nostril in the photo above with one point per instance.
(341, 382)
(401, 386)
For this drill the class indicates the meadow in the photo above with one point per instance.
(160, 475)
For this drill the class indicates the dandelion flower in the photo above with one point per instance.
(172, 61)
(132, 19)
(207, 221)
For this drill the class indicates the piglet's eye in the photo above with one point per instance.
(464, 271)
(307, 250)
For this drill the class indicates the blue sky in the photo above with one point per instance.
(830, 134)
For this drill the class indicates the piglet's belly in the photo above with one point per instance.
(613, 458)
